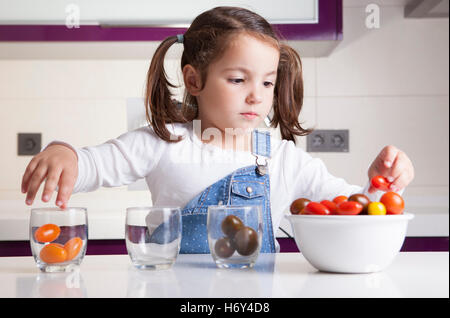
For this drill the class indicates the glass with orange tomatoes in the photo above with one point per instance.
(58, 238)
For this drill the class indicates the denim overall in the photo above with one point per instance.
(246, 186)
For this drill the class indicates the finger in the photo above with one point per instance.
(50, 184)
(27, 175)
(66, 184)
(388, 155)
(372, 189)
(35, 181)
(400, 182)
(401, 178)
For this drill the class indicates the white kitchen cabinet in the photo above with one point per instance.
(145, 12)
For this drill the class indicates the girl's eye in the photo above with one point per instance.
(236, 80)
(268, 84)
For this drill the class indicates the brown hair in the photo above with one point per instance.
(204, 41)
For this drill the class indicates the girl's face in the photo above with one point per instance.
(239, 88)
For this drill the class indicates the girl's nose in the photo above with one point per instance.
(254, 97)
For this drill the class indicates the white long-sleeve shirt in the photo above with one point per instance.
(177, 172)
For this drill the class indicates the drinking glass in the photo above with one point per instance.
(58, 238)
(234, 235)
(153, 236)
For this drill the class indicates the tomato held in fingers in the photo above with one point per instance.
(376, 208)
(393, 202)
(53, 253)
(316, 208)
(380, 183)
(349, 208)
(47, 233)
(73, 247)
(339, 199)
(330, 205)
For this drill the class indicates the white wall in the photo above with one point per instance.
(387, 86)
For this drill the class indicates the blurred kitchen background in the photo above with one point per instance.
(386, 81)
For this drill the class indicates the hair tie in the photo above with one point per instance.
(180, 38)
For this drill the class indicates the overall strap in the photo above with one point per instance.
(261, 148)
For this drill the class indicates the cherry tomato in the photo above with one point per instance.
(349, 208)
(339, 199)
(231, 224)
(381, 183)
(53, 253)
(298, 205)
(393, 202)
(224, 247)
(47, 233)
(376, 208)
(316, 208)
(361, 198)
(246, 241)
(330, 205)
(73, 247)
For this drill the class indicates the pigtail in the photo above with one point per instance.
(288, 96)
(159, 106)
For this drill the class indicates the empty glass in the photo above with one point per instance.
(58, 238)
(234, 235)
(153, 236)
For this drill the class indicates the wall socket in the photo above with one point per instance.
(325, 140)
(28, 144)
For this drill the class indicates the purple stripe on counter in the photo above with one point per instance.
(106, 247)
(411, 244)
(329, 28)
(425, 244)
(287, 245)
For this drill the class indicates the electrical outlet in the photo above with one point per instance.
(28, 144)
(325, 140)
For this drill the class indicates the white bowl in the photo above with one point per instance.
(349, 243)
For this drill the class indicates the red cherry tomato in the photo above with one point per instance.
(393, 202)
(330, 205)
(73, 247)
(339, 199)
(349, 208)
(381, 183)
(316, 208)
(47, 233)
(53, 253)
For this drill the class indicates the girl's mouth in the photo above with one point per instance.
(250, 115)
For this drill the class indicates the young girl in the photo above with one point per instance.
(208, 152)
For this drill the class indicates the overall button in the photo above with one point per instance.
(247, 189)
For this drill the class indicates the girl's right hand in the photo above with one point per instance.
(58, 166)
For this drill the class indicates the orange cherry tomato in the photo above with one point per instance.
(339, 199)
(393, 202)
(73, 247)
(47, 233)
(53, 253)
(381, 183)
(316, 208)
(349, 208)
(330, 205)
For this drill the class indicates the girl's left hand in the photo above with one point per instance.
(393, 164)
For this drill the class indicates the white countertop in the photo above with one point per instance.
(288, 275)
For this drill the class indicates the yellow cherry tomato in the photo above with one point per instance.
(376, 208)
